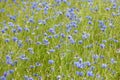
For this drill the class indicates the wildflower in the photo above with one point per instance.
(26, 77)
(19, 29)
(11, 24)
(58, 77)
(102, 46)
(51, 50)
(104, 65)
(38, 64)
(71, 39)
(15, 39)
(7, 40)
(11, 71)
(85, 36)
(3, 31)
(79, 73)
(50, 61)
(80, 41)
(52, 30)
(90, 73)
(112, 61)
(3, 78)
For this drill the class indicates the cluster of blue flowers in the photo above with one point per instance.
(43, 37)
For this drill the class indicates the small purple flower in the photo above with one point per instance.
(104, 65)
(5, 74)
(63, 35)
(52, 50)
(30, 78)
(7, 40)
(90, 73)
(11, 71)
(52, 30)
(85, 36)
(95, 56)
(19, 29)
(13, 18)
(3, 78)
(26, 77)
(46, 42)
(79, 73)
(26, 29)
(88, 63)
(80, 41)
(15, 39)
(3, 31)
(51, 61)
(32, 66)
(102, 46)
(112, 61)
(38, 64)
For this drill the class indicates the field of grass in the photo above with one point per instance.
(59, 40)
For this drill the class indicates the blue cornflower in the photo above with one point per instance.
(34, 5)
(11, 71)
(38, 64)
(19, 29)
(85, 36)
(7, 40)
(3, 30)
(32, 66)
(107, 9)
(14, 30)
(102, 46)
(52, 50)
(79, 73)
(104, 66)
(89, 22)
(114, 6)
(38, 43)
(11, 24)
(26, 29)
(13, 18)
(23, 57)
(50, 61)
(112, 61)
(75, 31)
(90, 73)
(89, 17)
(56, 35)
(26, 77)
(35, 74)
(88, 63)
(58, 46)
(3, 78)
(95, 56)
(63, 35)
(5, 74)
(46, 42)
(31, 20)
(15, 39)
(52, 30)
(30, 78)
(80, 41)
(50, 37)
(2, 10)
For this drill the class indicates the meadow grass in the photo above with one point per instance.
(53, 36)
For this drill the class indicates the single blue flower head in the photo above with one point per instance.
(3, 78)
(79, 73)
(102, 46)
(90, 73)
(104, 66)
(50, 61)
